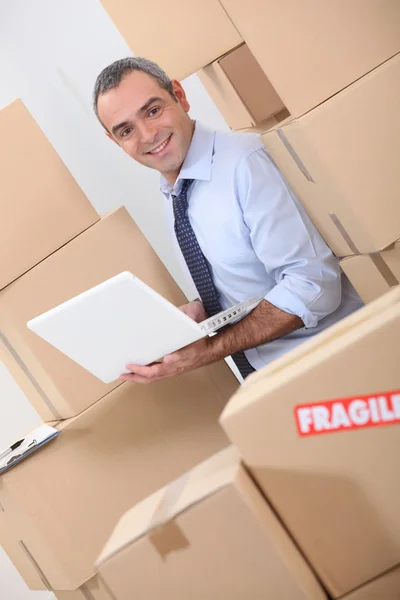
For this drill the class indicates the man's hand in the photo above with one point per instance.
(264, 324)
(195, 310)
(186, 359)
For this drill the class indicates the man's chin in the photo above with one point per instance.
(166, 168)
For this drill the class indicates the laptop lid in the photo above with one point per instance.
(118, 322)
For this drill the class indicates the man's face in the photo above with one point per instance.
(148, 123)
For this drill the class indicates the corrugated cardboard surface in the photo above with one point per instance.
(311, 50)
(370, 275)
(343, 165)
(181, 36)
(336, 492)
(386, 587)
(64, 500)
(240, 89)
(55, 385)
(41, 205)
(217, 538)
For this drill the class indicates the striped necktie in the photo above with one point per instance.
(198, 266)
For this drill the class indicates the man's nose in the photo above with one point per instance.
(147, 133)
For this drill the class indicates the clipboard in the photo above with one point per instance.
(26, 446)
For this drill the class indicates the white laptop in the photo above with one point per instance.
(123, 321)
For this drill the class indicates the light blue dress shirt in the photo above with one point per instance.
(257, 237)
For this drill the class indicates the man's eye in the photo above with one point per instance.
(153, 112)
(126, 131)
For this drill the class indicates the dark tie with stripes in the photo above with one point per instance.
(198, 266)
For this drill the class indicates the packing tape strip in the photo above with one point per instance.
(110, 594)
(164, 534)
(30, 376)
(169, 501)
(294, 155)
(376, 257)
(343, 232)
(87, 594)
(384, 269)
(35, 565)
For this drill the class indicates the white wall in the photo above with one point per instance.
(50, 54)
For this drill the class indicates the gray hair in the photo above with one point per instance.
(111, 76)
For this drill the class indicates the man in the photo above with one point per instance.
(240, 229)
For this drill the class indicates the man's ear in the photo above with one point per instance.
(180, 95)
(108, 134)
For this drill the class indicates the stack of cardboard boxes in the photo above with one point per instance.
(336, 69)
(118, 442)
(305, 504)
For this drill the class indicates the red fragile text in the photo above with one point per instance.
(348, 413)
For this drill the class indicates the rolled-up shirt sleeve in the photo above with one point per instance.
(295, 256)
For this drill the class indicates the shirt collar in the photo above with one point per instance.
(198, 160)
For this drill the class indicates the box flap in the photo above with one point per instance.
(369, 274)
(164, 505)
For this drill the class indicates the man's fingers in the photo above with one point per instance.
(154, 370)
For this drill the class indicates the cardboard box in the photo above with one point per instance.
(311, 50)
(56, 386)
(386, 587)
(20, 557)
(42, 206)
(333, 481)
(94, 589)
(201, 32)
(371, 274)
(240, 89)
(343, 164)
(64, 500)
(210, 534)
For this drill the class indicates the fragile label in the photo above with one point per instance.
(348, 413)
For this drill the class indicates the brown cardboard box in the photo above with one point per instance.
(56, 386)
(42, 207)
(335, 487)
(371, 274)
(94, 589)
(210, 534)
(311, 50)
(343, 164)
(240, 89)
(19, 556)
(182, 37)
(64, 500)
(386, 587)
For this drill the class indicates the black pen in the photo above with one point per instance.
(11, 448)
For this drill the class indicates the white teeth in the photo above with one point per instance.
(159, 147)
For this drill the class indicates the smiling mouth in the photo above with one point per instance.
(160, 147)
